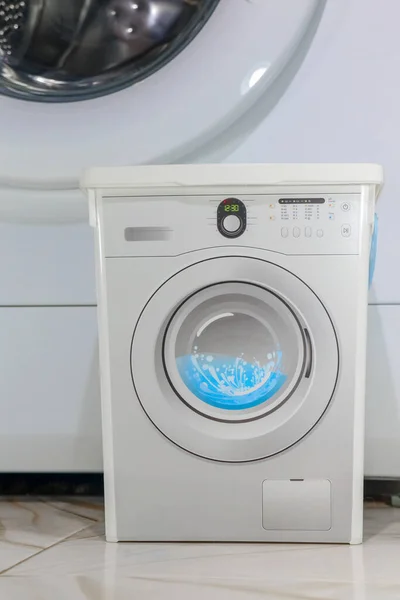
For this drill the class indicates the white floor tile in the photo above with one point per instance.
(85, 567)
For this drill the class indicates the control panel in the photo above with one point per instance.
(231, 217)
(315, 223)
(282, 221)
(308, 216)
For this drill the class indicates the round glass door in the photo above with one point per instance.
(58, 50)
(234, 351)
(233, 358)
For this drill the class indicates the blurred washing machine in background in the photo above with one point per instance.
(235, 81)
(109, 82)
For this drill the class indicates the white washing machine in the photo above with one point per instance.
(233, 316)
(189, 79)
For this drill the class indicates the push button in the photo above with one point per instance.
(320, 233)
(346, 230)
(308, 232)
(346, 206)
(284, 232)
(296, 232)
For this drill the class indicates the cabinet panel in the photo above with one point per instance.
(50, 397)
(382, 450)
(49, 389)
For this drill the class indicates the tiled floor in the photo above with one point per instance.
(55, 550)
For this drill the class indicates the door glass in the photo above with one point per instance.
(236, 351)
(63, 50)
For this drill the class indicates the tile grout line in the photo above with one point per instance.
(69, 512)
(24, 560)
(43, 501)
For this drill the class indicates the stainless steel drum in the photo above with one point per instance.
(58, 51)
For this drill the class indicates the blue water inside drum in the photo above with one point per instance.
(230, 382)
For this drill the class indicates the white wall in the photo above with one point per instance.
(344, 106)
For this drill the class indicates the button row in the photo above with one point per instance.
(297, 232)
(345, 231)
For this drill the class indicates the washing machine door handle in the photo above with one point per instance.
(309, 354)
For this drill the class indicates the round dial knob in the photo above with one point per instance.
(231, 223)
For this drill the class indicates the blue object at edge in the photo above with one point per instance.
(372, 254)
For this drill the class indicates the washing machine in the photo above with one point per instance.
(120, 82)
(232, 318)
(112, 82)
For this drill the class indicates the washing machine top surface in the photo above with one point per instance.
(180, 177)
(290, 209)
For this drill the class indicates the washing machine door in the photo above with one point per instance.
(234, 359)
(116, 82)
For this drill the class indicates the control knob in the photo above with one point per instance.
(231, 223)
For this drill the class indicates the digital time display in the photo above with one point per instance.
(231, 217)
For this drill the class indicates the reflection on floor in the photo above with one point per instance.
(55, 549)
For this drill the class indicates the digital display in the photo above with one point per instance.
(231, 209)
(302, 201)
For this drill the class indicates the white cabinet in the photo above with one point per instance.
(49, 386)
(382, 449)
